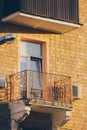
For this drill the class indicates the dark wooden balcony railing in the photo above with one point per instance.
(44, 86)
(64, 10)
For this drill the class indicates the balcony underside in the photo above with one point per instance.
(42, 23)
(42, 105)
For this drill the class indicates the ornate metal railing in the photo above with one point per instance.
(66, 10)
(3, 95)
(50, 87)
(5, 89)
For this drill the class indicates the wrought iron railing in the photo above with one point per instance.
(3, 95)
(49, 87)
(5, 91)
(66, 10)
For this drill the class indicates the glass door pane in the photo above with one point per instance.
(23, 67)
(35, 66)
(23, 64)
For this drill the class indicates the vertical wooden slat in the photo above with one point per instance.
(58, 9)
(66, 10)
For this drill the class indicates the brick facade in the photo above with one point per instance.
(66, 54)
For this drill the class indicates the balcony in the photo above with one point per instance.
(41, 87)
(51, 15)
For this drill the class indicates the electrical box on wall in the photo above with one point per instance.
(2, 80)
(77, 92)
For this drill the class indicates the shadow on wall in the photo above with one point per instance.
(37, 121)
(13, 28)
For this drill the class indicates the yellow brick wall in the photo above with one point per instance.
(8, 57)
(67, 55)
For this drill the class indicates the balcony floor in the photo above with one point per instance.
(42, 105)
(38, 22)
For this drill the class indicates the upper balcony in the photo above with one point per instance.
(51, 15)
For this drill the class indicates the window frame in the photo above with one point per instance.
(29, 56)
(45, 60)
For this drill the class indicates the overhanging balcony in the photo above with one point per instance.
(41, 86)
(52, 15)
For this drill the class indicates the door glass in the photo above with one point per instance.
(31, 58)
(34, 49)
(23, 64)
(31, 48)
(23, 47)
(35, 66)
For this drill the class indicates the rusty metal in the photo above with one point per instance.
(50, 87)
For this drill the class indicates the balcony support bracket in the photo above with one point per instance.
(19, 111)
(61, 118)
